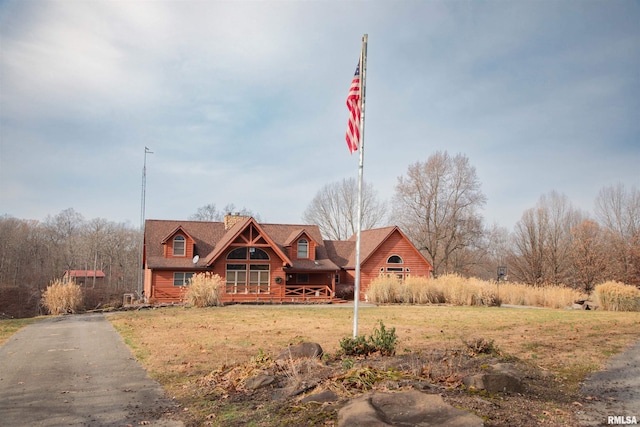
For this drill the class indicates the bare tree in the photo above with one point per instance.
(542, 241)
(334, 209)
(618, 210)
(437, 204)
(211, 213)
(588, 255)
(207, 213)
(562, 218)
(527, 259)
(490, 253)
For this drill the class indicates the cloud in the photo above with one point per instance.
(243, 102)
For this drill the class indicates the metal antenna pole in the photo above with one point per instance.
(143, 203)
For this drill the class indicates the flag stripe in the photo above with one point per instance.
(353, 104)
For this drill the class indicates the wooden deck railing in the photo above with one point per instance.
(308, 293)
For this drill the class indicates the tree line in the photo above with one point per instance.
(437, 203)
(33, 253)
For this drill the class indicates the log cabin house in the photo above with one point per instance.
(270, 263)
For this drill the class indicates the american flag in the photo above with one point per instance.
(353, 104)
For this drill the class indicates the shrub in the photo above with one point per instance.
(382, 340)
(204, 290)
(616, 296)
(476, 346)
(62, 297)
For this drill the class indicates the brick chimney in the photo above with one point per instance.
(232, 219)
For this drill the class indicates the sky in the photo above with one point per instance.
(243, 102)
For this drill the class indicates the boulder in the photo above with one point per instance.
(407, 408)
(494, 383)
(258, 381)
(300, 351)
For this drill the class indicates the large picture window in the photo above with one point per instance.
(236, 278)
(258, 279)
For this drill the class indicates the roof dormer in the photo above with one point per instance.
(302, 246)
(178, 244)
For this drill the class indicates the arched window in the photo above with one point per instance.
(254, 253)
(394, 259)
(179, 246)
(303, 248)
(238, 253)
(257, 253)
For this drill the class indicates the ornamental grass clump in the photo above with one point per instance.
(62, 297)
(204, 290)
(616, 296)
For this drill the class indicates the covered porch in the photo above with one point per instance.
(310, 286)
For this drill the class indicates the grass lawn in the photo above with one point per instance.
(179, 345)
(9, 327)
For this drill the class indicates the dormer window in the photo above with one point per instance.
(303, 248)
(179, 246)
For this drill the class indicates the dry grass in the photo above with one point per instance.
(457, 290)
(9, 327)
(615, 296)
(204, 290)
(62, 297)
(179, 345)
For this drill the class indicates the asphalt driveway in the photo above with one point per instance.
(77, 371)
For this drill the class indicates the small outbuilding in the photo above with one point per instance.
(84, 277)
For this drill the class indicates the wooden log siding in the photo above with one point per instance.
(276, 290)
(163, 289)
(394, 245)
(188, 247)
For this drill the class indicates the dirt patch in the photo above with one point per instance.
(544, 401)
(554, 350)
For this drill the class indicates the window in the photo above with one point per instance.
(181, 278)
(238, 253)
(394, 259)
(179, 246)
(258, 283)
(396, 272)
(254, 253)
(302, 278)
(303, 248)
(259, 279)
(236, 278)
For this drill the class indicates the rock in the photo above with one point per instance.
(494, 383)
(322, 397)
(300, 351)
(408, 408)
(258, 381)
(507, 368)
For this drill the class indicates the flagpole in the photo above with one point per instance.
(356, 290)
